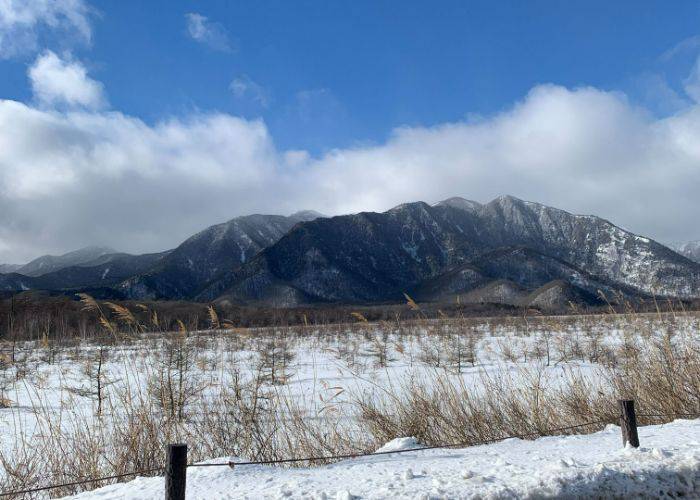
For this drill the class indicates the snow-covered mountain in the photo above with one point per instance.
(455, 247)
(690, 249)
(9, 268)
(102, 273)
(508, 250)
(216, 250)
(49, 263)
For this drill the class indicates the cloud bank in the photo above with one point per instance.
(73, 172)
(75, 177)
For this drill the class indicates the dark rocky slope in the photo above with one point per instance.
(453, 247)
(214, 251)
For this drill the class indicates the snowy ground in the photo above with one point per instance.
(323, 370)
(596, 465)
(52, 389)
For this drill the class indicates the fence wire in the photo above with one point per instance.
(406, 450)
(79, 482)
(326, 458)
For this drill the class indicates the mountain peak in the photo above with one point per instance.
(216, 249)
(414, 246)
(460, 203)
(507, 199)
(307, 215)
(50, 263)
(413, 205)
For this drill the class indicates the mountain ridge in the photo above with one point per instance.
(507, 247)
(377, 256)
(48, 263)
(209, 252)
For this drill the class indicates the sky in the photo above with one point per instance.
(136, 124)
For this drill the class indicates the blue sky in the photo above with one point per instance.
(136, 124)
(336, 74)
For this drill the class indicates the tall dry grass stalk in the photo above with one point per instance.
(228, 394)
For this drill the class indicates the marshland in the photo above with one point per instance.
(103, 401)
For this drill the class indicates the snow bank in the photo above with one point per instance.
(595, 465)
(399, 444)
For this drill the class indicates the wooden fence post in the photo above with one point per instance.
(176, 472)
(628, 423)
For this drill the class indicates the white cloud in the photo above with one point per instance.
(243, 87)
(22, 23)
(295, 158)
(210, 33)
(57, 82)
(74, 178)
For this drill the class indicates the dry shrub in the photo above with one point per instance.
(255, 417)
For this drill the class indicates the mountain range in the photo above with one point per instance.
(507, 251)
(88, 256)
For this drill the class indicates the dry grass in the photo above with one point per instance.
(257, 416)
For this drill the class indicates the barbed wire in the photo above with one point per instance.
(233, 464)
(79, 482)
(406, 450)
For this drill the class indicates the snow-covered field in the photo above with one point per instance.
(93, 410)
(584, 466)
